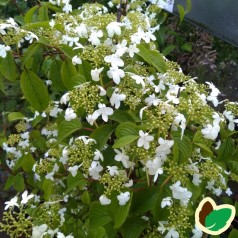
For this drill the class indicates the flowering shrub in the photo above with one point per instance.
(117, 141)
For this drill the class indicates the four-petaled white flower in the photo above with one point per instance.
(132, 49)
(116, 74)
(197, 233)
(26, 197)
(155, 167)
(104, 200)
(69, 114)
(74, 170)
(95, 169)
(114, 60)
(61, 235)
(213, 95)
(123, 198)
(152, 100)
(116, 98)
(94, 37)
(95, 74)
(172, 233)
(122, 157)
(114, 28)
(230, 117)
(103, 111)
(12, 203)
(164, 148)
(181, 193)
(144, 140)
(3, 50)
(166, 202)
(211, 131)
(98, 155)
(113, 170)
(65, 98)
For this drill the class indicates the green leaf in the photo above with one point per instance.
(153, 58)
(98, 215)
(168, 49)
(51, 7)
(43, 13)
(125, 140)
(29, 14)
(68, 51)
(226, 149)
(102, 134)
(68, 71)
(133, 227)
(205, 149)
(37, 25)
(28, 162)
(14, 116)
(19, 183)
(8, 68)
(66, 128)
(34, 90)
(98, 232)
(73, 182)
(187, 47)
(233, 234)
(55, 75)
(9, 182)
(217, 219)
(181, 11)
(127, 128)
(47, 188)
(121, 116)
(182, 149)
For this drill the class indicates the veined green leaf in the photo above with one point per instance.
(47, 188)
(43, 13)
(55, 75)
(34, 90)
(14, 116)
(226, 149)
(66, 128)
(168, 49)
(102, 134)
(125, 140)
(153, 58)
(181, 11)
(98, 232)
(8, 68)
(68, 71)
(205, 149)
(74, 182)
(36, 25)
(127, 128)
(29, 14)
(121, 116)
(51, 7)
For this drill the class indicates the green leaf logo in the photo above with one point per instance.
(213, 219)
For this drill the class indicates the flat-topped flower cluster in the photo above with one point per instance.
(124, 138)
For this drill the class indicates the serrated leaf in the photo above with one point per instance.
(226, 149)
(29, 14)
(102, 134)
(43, 13)
(121, 116)
(125, 140)
(68, 71)
(34, 90)
(47, 188)
(73, 182)
(51, 7)
(19, 183)
(127, 128)
(205, 149)
(153, 58)
(217, 219)
(182, 149)
(8, 68)
(28, 162)
(55, 75)
(66, 128)
(14, 116)
(167, 50)
(98, 215)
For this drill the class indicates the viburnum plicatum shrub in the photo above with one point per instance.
(116, 141)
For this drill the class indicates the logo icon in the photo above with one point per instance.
(213, 219)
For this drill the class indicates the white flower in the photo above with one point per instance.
(132, 49)
(211, 131)
(123, 198)
(116, 98)
(104, 200)
(3, 50)
(94, 170)
(82, 31)
(181, 193)
(217, 191)
(94, 37)
(197, 233)
(11, 203)
(74, 169)
(103, 111)
(98, 155)
(65, 98)
(228, 192)
(67, 8)
(172, 94)
(95, 74)
(76, 60)
(172, 233)
(161, 228)
(103, 92)
(26, 197)
(196, 179)
(154, 167)
(39, 231)
(70, 114)
(180, 119)
(232, 121)
(164, 148)
(114, 60)
(166, 202)
(113, 170)
(121, 49)
(144, 140)
(213, 95)
(61, 235)
(50, 176)
(122, 157)
(128, 184)
(113, 28)
(210, 185)
(138, 79)
(116, 74)
(91, 119)
(152, 100)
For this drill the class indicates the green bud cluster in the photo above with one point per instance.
(44, 166)
(233, 107)
(13, 139)
(179, 219)
(16, 224)
(114, 183)
(178, 172)
(152, 232)
(21, 127)
(86, 97)
(80, 153)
